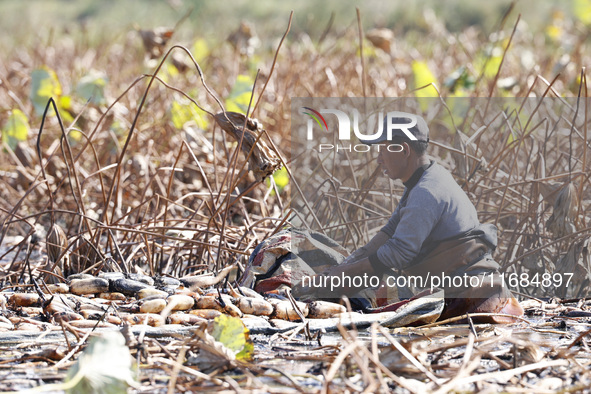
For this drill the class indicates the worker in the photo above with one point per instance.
(434, 232)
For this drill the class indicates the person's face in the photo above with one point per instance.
(393, 163)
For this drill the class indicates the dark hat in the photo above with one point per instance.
(402, 123)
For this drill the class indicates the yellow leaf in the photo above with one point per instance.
(281, 178)
(75, 135)
(554, 32)
(510, 139)
(44, 85)
(423, 76)
(182, 113)
(171, 71)
(65, 102)
(200, 50)
(231, 332)
(582, 10)
(239, 97)
(254, 64)
(460, 93)
(16, 129)
(199, 117)
(369, 50)
(491, 67)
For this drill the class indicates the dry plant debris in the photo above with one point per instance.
(136, 211)
(263, 161)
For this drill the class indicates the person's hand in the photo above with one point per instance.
(353, 267)
(358, 254)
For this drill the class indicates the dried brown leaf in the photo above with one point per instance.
(263, 161)
(380, 38)
(562, 221)
(57, 243)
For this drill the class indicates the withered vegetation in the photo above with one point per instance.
(116, 187)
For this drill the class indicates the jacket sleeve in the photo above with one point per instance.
(370, 248)
(415, 222)
(390, 227)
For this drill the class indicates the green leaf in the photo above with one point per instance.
(181, 114)
(44, 85)
(104, 367)
(92, 87)
(459, 81)
(231, 332)
(15, 129)
(239, 97)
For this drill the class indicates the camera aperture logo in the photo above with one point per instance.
(317, 117)
(346, 122)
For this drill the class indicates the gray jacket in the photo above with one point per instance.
(432, 209)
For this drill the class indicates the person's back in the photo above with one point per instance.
(432, 210)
